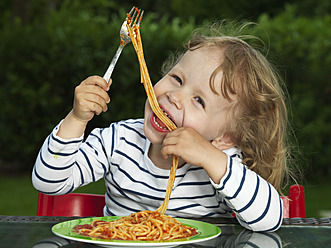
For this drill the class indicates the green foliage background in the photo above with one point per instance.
(49, 49)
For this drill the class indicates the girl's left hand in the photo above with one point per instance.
(189, 145)
(196, 150)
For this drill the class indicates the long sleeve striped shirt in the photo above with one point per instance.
(119, 154)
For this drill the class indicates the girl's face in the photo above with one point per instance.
(186, 97)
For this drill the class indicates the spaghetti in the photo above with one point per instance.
(135, 36)
(145, 225)
(142, 226)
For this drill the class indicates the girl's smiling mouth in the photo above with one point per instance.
(158, 125)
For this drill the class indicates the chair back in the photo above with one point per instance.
(72, 204)
(294, 203)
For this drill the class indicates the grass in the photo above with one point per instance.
(317, 199)
(20, 198)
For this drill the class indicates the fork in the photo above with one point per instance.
(133, 18)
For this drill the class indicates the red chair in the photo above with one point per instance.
(73, 204)
(294, 203)
(84, 205)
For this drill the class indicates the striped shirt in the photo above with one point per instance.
(133, 183)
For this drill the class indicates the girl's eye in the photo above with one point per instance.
(178, 79)
(200, 101)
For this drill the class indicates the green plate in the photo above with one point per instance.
(205, 231)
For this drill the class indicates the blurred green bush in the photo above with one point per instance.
(43, 61)
(303, 49)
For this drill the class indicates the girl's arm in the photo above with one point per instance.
(64, 165)
(64, 162)
(255, 202)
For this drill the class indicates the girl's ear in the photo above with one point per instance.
(223, 142)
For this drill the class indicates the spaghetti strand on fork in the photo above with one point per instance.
(134, 32)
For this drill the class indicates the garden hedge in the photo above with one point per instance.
(42, 63)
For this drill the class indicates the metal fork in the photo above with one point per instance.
(133, 18)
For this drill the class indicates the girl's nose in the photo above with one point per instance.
(176, 97)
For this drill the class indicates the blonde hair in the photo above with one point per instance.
(260, 112)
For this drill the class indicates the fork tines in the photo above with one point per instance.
(134, 15)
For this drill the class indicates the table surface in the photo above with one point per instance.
(35, 231)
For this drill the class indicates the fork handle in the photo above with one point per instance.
(112, 64)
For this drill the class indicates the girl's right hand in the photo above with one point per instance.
(91, 98)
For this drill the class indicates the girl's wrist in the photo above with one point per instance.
(72, 113)
(216, 165)
(72, 127)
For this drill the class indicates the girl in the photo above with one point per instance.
(226, 101)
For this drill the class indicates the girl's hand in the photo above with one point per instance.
(196, 150)
(91, 98)
(187, 144)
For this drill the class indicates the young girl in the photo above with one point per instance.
(229, 108)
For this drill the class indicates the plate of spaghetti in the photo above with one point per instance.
(142, 229)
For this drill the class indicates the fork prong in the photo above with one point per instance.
(140, 17)
(133, 9)
(135, 15)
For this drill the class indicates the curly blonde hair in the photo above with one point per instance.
(260, 113)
